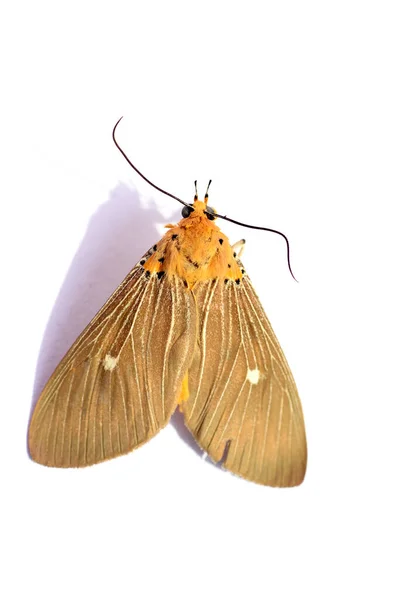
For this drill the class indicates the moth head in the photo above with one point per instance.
(198, 206)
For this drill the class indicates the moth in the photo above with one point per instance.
(184, 329)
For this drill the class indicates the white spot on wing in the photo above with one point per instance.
(110, 362)
(253, 376)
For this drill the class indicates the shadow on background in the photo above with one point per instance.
(118, 234)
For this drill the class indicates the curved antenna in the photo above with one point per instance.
(262, 229)
(186, 204)
(139, 172)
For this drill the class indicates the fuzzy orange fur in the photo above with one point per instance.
(195, 250)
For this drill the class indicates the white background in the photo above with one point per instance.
(292, 109)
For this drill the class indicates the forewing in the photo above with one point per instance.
(243, 407)
(119, 383)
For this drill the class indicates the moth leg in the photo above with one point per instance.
(238, 248)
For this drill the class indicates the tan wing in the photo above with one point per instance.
(243, 406)
(119, 383)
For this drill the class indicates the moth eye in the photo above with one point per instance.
(212, 212)
(186, 211)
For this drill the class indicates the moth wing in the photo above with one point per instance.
(119, 383)
(244, 407)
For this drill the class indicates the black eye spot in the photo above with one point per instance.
(185, 283)
(142, 262)
(237, 281)
(155, 248)
(147, 273)
(221, 241)
(226, 280)
(229, 266)
(160, 274)
(234, 254)
(186, 211)
(161, 259)
(243, 271)
(174, 236)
